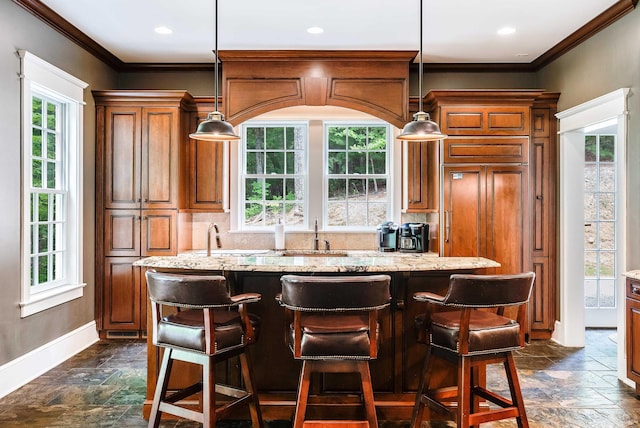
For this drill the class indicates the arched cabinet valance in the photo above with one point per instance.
(374, 82)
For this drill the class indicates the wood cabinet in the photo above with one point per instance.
(498, 183)
(421, 171)
(206, 166)
(394, 373)
(633, 331)
(485, 214)
(543, 185)
(141, 170)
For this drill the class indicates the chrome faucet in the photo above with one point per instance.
(212, 227)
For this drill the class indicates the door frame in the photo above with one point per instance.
(569, 328)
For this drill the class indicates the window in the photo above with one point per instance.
(357, 175)
(274, 174)
(51, 185)
(296, 172)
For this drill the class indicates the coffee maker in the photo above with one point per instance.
(414, 238)
(387, 236)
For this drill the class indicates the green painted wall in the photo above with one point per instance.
(608, 61)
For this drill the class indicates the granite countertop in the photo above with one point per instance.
(633, 274)
(313, 261)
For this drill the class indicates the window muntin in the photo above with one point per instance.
(48, 193)
(274, 175)
(52, 160)
(357, 177)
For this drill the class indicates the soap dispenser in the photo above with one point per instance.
(279, 235)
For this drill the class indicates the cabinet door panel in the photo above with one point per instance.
(481, 150)
(540, 196)
(159, 232)
(122, 158)
(633, 340)
(539, 308)
(121, 294)
(160, 134)
(464, 211)
(506, 217)
(422, 176)
(485, 120)
(206, 175)
(122, 233)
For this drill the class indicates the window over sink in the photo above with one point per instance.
(294, 172)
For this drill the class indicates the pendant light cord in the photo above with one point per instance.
(216, 55)
(420, 67)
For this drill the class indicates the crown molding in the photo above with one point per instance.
(606, 18)
(600, 22)
(64, 27)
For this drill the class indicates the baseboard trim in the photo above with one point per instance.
(29, 366)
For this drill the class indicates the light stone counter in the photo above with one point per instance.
(301, 261)
(633, 274)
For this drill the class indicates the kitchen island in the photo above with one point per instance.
(394, 374)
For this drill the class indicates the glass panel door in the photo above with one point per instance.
(600, 256)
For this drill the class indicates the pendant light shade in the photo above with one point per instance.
(215, 128)
(422, 128)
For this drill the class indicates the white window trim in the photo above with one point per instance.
(569, 330)
(390, 165)
(37, 73)
(241, 174)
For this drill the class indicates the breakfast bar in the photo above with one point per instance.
(396, 371)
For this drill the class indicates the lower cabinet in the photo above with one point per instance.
(395, 373)
(281, 372)
(129, 235)
(125, 297)
(633, 331)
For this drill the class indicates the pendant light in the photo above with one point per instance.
(215, 128)
(422, 128)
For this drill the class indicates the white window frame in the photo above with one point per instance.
(243, 172)
(316, 207)
(389, 172)
(41, 78)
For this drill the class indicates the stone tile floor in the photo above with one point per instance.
(104, 386)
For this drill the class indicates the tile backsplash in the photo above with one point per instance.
(193, 227)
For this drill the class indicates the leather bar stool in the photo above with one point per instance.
(209, 326)
(466, 334)
(333, 328)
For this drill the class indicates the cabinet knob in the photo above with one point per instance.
(539, 197)
(400, 303)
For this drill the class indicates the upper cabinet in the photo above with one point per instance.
(206, 166)
(480, 120)
(421, 171)
(142, 139)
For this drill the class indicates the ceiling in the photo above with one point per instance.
(455, 31)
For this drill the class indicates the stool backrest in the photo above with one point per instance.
(335, 293)
(190, 291)
(489, 291)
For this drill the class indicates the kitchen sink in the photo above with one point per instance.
(313, 253)
(228, 252)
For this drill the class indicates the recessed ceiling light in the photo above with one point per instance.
(315, 30)
(163, 30)
(505, 31)
(522, 54)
